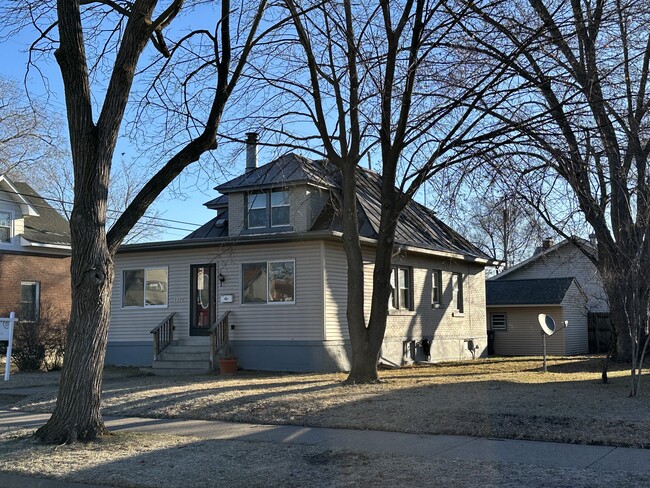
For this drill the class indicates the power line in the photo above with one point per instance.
(27, 195)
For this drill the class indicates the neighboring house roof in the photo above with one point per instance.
(48, 227)
(417, 226)
(548, 291)
(26, 207)
(540, 255)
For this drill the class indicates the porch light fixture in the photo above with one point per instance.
(222, 278)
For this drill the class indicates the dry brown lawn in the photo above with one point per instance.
(497, 397)
(132, 460)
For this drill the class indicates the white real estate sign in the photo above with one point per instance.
(7, 334)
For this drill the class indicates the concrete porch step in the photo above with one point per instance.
(174, 372)
(180, 349)
(192, 341)
(184, 364)
(174, 355)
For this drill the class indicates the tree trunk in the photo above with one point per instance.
(618, 311)
(364, 354)
(627, 291)
(367, 340)
(77, 413)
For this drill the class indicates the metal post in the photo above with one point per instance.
(544, 342)
(12, 319)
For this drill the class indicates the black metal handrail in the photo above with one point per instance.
(163, 335)
(219, 339)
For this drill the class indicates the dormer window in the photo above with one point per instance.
(268, 210)
(5, 226)
(279, 208)
(257, 213)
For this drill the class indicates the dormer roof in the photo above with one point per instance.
(418, 227)
(288, 170)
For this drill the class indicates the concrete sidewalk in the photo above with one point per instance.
(425, 446)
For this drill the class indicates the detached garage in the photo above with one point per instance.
(514, 305)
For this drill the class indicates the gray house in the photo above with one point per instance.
(514, 305)
(540, 284)
(562, 260)
(266, 279)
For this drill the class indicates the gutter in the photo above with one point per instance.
(329, 235)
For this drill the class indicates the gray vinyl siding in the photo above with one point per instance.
(522, 336)
(335, 293)
(302, 320)
(576, 335)
(566, 261)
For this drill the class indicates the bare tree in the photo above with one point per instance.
(123, 30)
(581, 125)
(373, 78)
(501, 225)
(29, 133)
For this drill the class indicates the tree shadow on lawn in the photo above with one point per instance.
(209, 463)
(581, 412)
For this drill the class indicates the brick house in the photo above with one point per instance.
(272, 262)
(34, 255)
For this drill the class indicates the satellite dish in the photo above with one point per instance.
(547, 323)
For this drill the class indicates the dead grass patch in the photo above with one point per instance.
(133, 460)
(497, 397)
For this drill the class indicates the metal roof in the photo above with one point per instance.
(417, 226)
(549, 291)
(288, 170)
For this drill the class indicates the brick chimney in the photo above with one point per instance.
(547, 243)
(251, 151)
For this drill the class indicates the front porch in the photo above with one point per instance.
(192, 355)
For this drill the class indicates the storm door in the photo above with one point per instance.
(203, 301)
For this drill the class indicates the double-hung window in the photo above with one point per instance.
(401, 283)
(279, 208)
(257, 212)
(268, 209)
(144, 287)
(268, 282)
(457, 291)
(436, 287)
(5, 226)
(30, 297)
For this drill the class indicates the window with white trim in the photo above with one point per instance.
(498, 321)
(268, 282)
(268, 209)
(457, 291)
(30, 298)
(5, 226)
(402, 285)
(436, 287)
(279, 208)
(144, 287)
(257, 211)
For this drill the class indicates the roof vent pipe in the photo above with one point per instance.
(251, 151)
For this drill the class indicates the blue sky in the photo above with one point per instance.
(188, 208)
